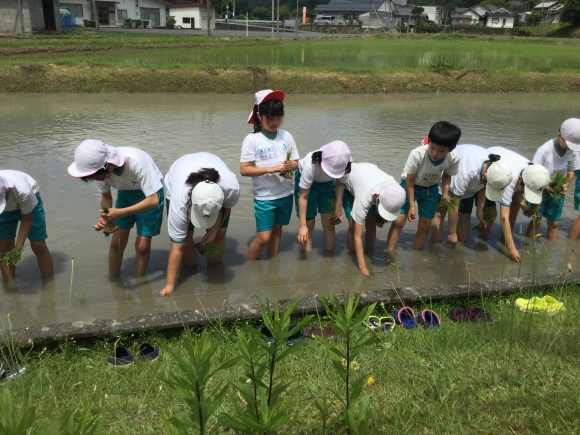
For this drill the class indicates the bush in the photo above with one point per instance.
(137, 23)
(127, 23)
(90, 23)
(171, 23)
(525, 31)
(145, 24)
(561, 31)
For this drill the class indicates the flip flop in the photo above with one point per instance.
(459, 315)
(476, 314)
(298, 336)
(379, 324)
(405, 316)
(429, 318)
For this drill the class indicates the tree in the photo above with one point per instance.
(571, 12)
(262, 13)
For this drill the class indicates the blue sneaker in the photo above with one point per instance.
(148, 352)
(120, 357)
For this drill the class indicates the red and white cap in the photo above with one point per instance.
(536, 178)
(391, 200)
(207, 199)
(91, 155)
(335, 157)
(570, 131)
(262, 97)
(5, 184)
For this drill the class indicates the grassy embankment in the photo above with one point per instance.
(413, 63)
(517, 374)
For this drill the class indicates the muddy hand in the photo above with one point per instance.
(100, 225)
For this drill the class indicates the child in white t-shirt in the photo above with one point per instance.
(434, 160)
(269, 156)
(556, 156)
(20, 202)
(140, 196)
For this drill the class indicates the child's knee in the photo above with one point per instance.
(39, 247)
(400, 221)
(263, 237)
(143, 246)
(552, 224)
(424, 225)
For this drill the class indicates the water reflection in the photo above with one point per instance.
(38, 135)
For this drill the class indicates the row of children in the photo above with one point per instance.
(200, 190)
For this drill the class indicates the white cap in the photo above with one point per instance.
(91, 155)
(498, 176)
(262, 97)
(536, 178)
(391, 200)
(570, 131)
(335, 157)
(207, 199)
(5, 184)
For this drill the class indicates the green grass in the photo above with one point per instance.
(518, 374)
(353, 55)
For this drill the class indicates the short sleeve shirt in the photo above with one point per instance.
(362, 179)
(467, 181)
(428, 172)
(312, 172)
(266, 151)
(23, 195)
(177, 192)
(517, 164)
(139, 172)
(549, 156)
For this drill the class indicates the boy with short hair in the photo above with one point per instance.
(556, 155)
(435, 159)
(20, 202)
(140, 196)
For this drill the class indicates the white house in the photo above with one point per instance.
(111, 13)
(434, 13)
(192, 15)
(500, 18)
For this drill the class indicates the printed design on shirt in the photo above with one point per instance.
(267, 153)
(430, 177)
(134, 182)
(285, 147)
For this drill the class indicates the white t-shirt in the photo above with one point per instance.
(517, 164)
(23, 195)
(467, 182)
(177, 192)
(139, 172)
(312, 172)
(362, 179)
(549, 157)
(266, 152)
(428, 172)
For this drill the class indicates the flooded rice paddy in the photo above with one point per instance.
(38, 135)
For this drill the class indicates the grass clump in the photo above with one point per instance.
(445, 206)
(557, 184)
(12, 257)
(288, 174)
(211, 251)
(110, 227)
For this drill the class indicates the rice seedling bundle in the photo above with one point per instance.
(288, 174)
(489, 215)
(445, 206)
(211, 251)
(533, 211)
(332, 205)
(557, 184)
(12, 257)
(110, 227)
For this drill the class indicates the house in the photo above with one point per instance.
(392, 14)
(500, 18)
(551, 10)
(434, 13)
(337, 8)
(38, 16)
(485, 15)
(111, 13)
(465, 16)
(192, 15)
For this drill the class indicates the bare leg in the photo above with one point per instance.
(574, 233)
(437, 226)
(310, 223)
(274, 243)
(220, 240)
(532, 230)
(43, 257)
(370, 232)
(552, 230)
(143, 251)
(116, 250)
(350, 235)
(422, 233)
(258, 244)
(327, 231)
(8, 273)
(463, 224)
(189, 258)
(395, 232)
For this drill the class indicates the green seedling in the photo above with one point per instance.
(110, 227)
(288, 174)
(533, 211)
(211, 251)
(557, 184)
(332, 205)
(489, 215)
(445, 206)
(12, 257)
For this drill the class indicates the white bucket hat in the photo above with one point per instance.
(570, 131)
(335, 157)
(498, 176)
(91, 155)
(5, 184)
(207, 199)
(262, 97)
(391, 200)
(536, 178)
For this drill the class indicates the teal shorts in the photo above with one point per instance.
(348, 202)
(318, 198)
(577, 191)
(190, 226)
(272, 212)
(466, 204)
(9, 223)
(149, 221)
(426, 198)
(551, 208)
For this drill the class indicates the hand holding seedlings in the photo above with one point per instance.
(12, 257)
(288, 165)
(111, 215)
(556, 187)
(489, 215)
(335, 218)
(446, 205)
(108, 228)
(210, 250)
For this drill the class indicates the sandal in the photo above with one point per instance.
(406, 316)
(429, 319)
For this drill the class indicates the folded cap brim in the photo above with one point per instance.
(388, 216)
(493, 194)
(74, 172)
(532, 196)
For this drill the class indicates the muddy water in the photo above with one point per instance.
(38, 135)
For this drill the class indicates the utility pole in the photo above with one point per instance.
(21, 10)
(545, 25)
(208, 19)
(278, 21)
(272, 35)
(296, 22)
(96, 12)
